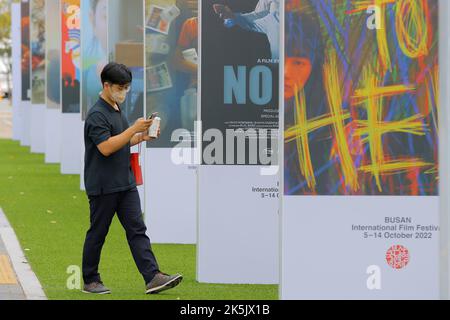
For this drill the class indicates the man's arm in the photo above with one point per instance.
(143, 136)
(115, 143)
(137, 138)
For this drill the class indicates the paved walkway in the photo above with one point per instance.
(5, 119)
(17, 280)
(10, 289)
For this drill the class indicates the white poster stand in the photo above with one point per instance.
(444, 140)
(37, 130)
(237, 238)
(71, 141)
(237, 227)
(16, 71)
(170, 198)
(53, 135)
(25, 107)
(53, 113)
(330, 251)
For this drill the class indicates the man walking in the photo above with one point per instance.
(110, 184)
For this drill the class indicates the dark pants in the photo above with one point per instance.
(128, 207)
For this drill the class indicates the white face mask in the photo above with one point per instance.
(119, 97)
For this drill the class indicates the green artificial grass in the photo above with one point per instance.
(50, 216)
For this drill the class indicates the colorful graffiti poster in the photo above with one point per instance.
(70, 56)
(26, 52)
(361, 97)
(38, 51)
(94, 50)
(171, 51)
(53, 54)
(239, 75)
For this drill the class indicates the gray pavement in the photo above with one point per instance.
(8, 289)
(17, 279)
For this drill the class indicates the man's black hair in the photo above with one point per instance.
(116, 73)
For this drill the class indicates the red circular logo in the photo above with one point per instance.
(397, 257)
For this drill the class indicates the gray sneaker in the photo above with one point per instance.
(96, 287)
(163, 282)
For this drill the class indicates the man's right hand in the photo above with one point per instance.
(223, 11)
(115, 143)
(142, 125)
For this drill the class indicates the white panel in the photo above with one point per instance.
(237, 228)
(16, 70)
(444, 140)
(322, 258)
(26, 123)
(71, 142)
(141, 191)
(82, 152)
(53, 136)
(38, 131)
(170, 198)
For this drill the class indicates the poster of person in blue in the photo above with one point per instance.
(94, 46)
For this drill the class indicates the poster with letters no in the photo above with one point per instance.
(239, 82)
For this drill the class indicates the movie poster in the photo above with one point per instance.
(239, 81)
(361, 98)
(171, 53)
(26, 52)
(126, 46)
(70, 56)
(94, 50)
(133, 107)
(38, 51)
(53, 54)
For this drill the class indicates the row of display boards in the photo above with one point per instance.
(302, 144)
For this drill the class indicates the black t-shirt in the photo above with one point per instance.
(104, 175)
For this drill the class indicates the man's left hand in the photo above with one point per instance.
(146, 137)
